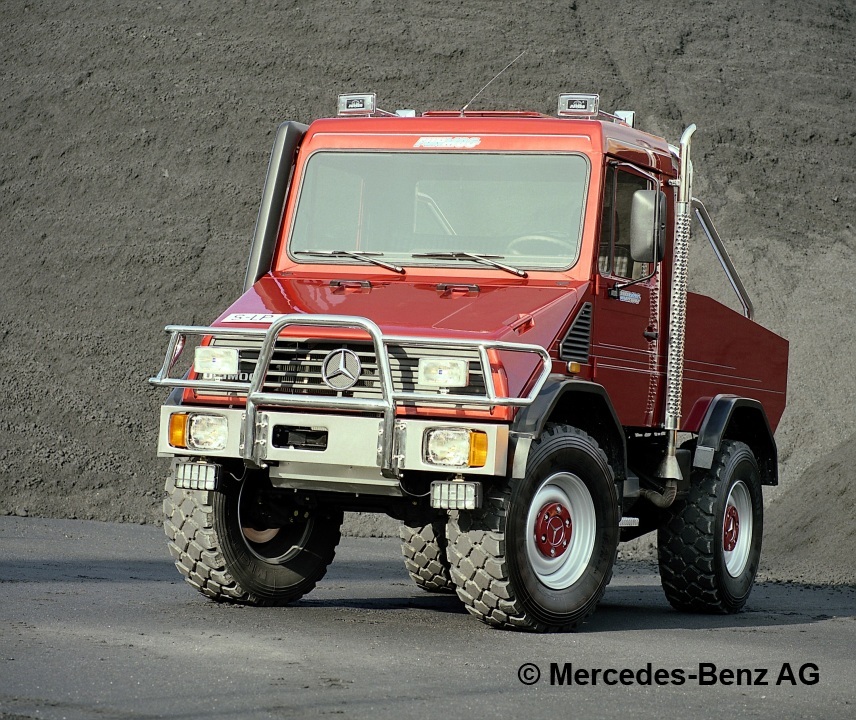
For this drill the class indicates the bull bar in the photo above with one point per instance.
(390, 397)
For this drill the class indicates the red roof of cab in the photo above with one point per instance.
(495, 130)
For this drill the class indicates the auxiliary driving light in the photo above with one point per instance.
(455, 447)
(456, 495)
(196, 476)
(209, 360)
(443, 372)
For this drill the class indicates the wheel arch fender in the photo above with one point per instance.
(730, 417)
(581, 403)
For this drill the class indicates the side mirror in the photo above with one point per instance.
(648, 226)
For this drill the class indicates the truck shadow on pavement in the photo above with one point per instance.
(612, 615)
(634, 601)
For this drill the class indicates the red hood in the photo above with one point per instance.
(400, 307)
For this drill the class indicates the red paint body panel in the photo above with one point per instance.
(415, 307)
(725, 352)
(628, 365)
(728, 353)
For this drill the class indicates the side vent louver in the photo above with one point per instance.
(577, 342)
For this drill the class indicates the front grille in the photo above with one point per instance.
(296, 367)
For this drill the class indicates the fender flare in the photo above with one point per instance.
(530, 421)
(288, 137)
(738, 418)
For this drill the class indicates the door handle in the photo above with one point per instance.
(651, 335)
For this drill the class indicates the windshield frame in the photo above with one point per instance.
(300, 257)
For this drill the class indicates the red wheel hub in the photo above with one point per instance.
(553, 530)
(731, 528)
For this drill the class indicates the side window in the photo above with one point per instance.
(614, 254)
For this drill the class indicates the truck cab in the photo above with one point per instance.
(477, 323)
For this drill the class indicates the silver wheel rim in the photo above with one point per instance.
(740, 503)
(279, 549)
(558, 573)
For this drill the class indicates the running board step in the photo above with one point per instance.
(628, 522)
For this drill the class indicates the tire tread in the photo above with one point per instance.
(479, 561)
(193, 545)
(424, 551)
(687, 547)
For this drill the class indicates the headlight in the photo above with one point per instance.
(209, 360)
(207, 432)
(198, 432)
(455, 447)
(444, 372)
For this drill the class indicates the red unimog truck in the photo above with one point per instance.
(477, 323)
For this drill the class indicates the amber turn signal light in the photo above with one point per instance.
(178, 430)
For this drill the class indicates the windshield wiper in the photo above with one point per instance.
(484, 259)
(369, 257)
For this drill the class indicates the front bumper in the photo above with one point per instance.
(353, 456)
(365, 443)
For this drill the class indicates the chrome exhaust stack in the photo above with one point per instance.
(669, 469)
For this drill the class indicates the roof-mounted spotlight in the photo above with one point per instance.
(578, 105)
(626, 116)
(357, 104)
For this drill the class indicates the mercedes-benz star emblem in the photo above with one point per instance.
(341, 369)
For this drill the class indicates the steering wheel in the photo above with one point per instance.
(514, 247)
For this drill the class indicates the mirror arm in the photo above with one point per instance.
(615, 291)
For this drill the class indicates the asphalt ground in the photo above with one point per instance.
(95, 622)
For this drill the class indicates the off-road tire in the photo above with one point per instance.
(492, 561)
(211, 552)
(694, 563)
(424, 551)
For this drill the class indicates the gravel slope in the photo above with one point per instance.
(135, 141)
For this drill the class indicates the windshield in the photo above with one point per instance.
(420, 208)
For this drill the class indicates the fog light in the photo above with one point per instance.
(456, 495)
(455, 447)
(207, 432)
(178, 430)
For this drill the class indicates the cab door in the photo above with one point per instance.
(627, 319)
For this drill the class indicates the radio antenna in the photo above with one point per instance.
(491, 80)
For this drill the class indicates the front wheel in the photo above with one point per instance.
(539, 555)
(710, 546)
(223, 547)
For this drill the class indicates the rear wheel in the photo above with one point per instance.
(424, 550)
(710, 547)
(539, 554)
(222, 547)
